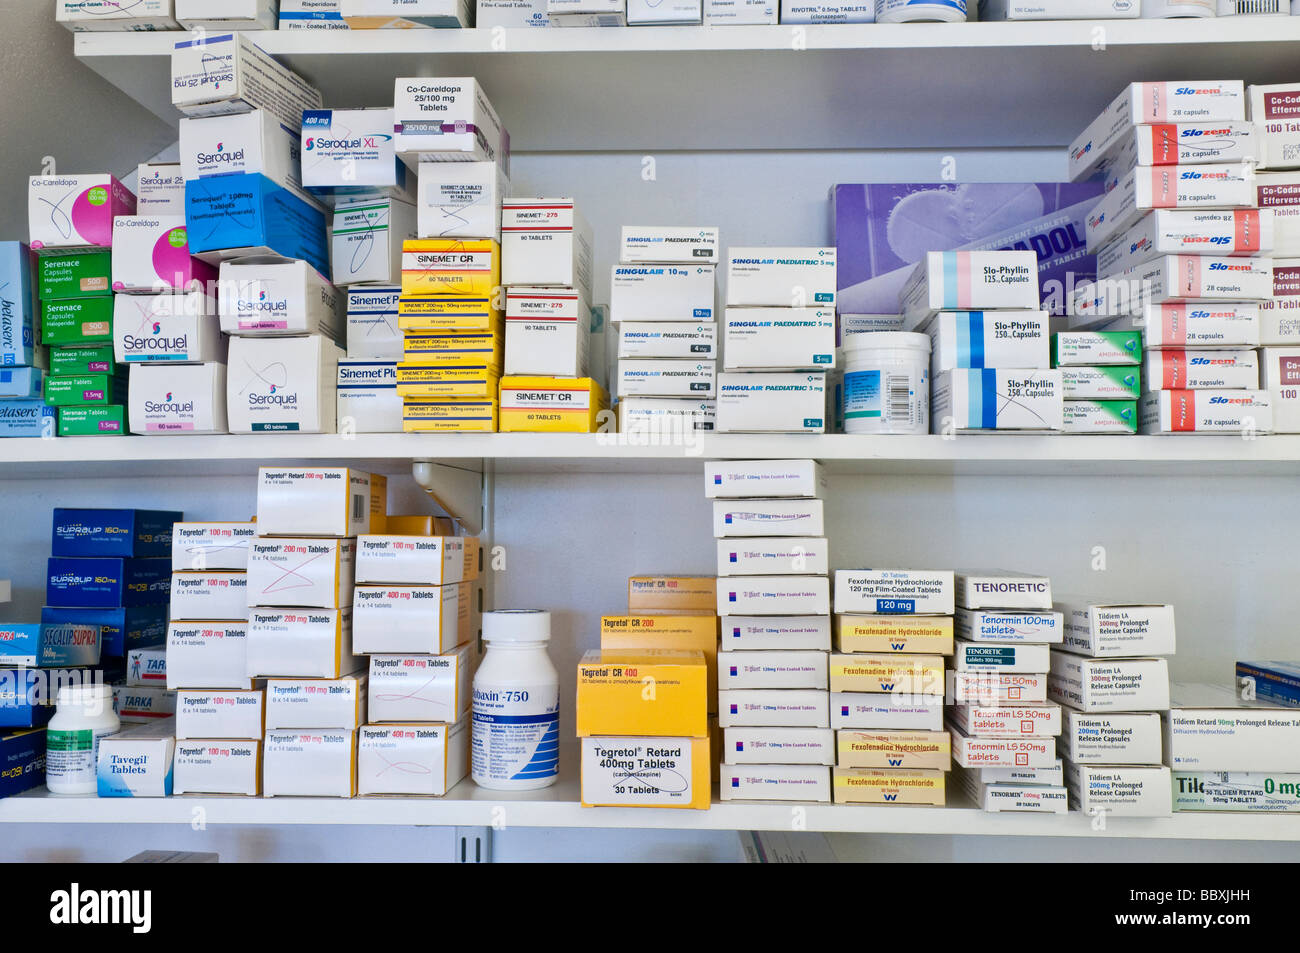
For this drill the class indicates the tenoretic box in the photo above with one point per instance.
(209, 595)
(1119, 791)
(611, 701)
(1106, 685)
(779, 339)
(988, 339)
(98, 582)
(447, 119)
(75, 211)
(218, 766)
(320, 501)
(1001, 589)
(1222, 232)
(1108, 631)
(785, 517)
(750, 556)
(215, 75)
(220, 713)
(976, 752)
(316, 702)
(300, 643)
(777, 669)
(894, 592)
(927, 635)
(305, 572)
(410, 619)
(745, 479)
(207, 655)
(768, 708)
(1112, 738)
(773, 595)
(1209, 728)
(781, 277)
(1206, 411)
(969, 280)
(1179, 369)
(1001, 625)
(412, 759)
(997, 399)
(112, 532)
(763, 633)
(992, 657)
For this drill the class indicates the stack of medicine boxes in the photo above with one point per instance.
(71, 223)
(300, 590)
(1101, 377)
(893, 630)
(451, 304)
(778, 340)
(989, 341)
(774, 595)
(546, 265)
(219, 709)
(1179, 164)
(349, 159)
(1003, 730)
(111, 569)
(23, 411)
(412, 616)
(663, 305)
(1112, 679)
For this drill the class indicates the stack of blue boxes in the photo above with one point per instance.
(23, 413)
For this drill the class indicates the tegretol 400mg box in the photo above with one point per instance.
(893, 592)
(433, 758)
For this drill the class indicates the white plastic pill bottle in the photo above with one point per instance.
(914, 11)
(84, 716)
(887, 383)
(1166, 9)
(516, 721)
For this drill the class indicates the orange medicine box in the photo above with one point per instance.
(672, 595)
(678, 633)
(646, 692)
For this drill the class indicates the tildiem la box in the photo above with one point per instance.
(1101, 685)
(928, 635)
(930, 750)
(1119, 791)
(892, 786)
(646, 772)
(1113, 738)
(646, 692)
(320, 501)
(412, 759)
(310, 573)
(1107, 631)
(1237, 791)
(894, 592)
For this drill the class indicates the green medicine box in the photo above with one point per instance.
(103, 420)
(89, 359)
(81, 274)
(77, 321)
(85, 389)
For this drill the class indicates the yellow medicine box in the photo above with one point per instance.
(672, 595)
(931, 750)
(457, 347)
(470, 381)
(551, 404)
(473, 556)
(876, 786)
(450, 266)
(444, 313)
(419, 526)
(677, 633)
(449, 416)
(646, 772)
(645, 692)
(908, 674)
(929, 635)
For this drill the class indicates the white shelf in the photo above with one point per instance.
(973, 454)
(869, 86)
(470, 806)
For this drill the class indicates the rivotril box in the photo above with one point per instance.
(1246, 792)
(460, 200)
(778, 746)
(1007, 721)
(1221, 232)
(988, 339)
(1108, 631)
(786, 518)
(894, 592)
(409, 560)
(773, 595)
(663, 292)
(995, 688)
(1002, 589)
(316, 702)
(1112, 738)
(754, 556)
(778, 339)
(1206, 411)
(773, 708)
(547, 332)
(412, 759)
(664, 377)
(1119, 791)
(977, 752)
(228, 73)
(420, 687)
(220, 713)
(1105, 685)
(680, 339)
(1000, 625)
(300, 643)
(307, 762)
(320, 501)
(886, 711)
(207, 655)
(304, 572)
(409, 619)
(1275, 111)
(1209, 728)
(1226, 185)
(890, 672)
(217, 766)
(177, 399)
(781, 277)
(756, 480)
(888, 786)
(1016, 658)
(772, 402)
(1179, 369)
(677, 12)
(282, 385)
(447, 119)
(765, 633)
(969, 280)
(997, 399)
(670, 244)
(209, 595)
(927, 750)
(772, 669)
(926, 635)
(775, 782)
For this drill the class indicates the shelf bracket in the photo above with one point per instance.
(456, 492)
(473, 845)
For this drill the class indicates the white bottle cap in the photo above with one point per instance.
(517, 625)
(85, 696)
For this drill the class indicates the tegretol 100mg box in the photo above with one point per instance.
(211, 766)
(316, 703)
(893, 592)
(220, 713)
(202, 547)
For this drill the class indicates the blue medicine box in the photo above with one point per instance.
(1275, 682)
(108, 583)
(251, 213)
(106, 532)
(17, 306)
(121, 629)
(25, 699)
(42, 645)
(22, 760)
(26, 418)
(20, 382)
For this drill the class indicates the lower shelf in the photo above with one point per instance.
(470, 806)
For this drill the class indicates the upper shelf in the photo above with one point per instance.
(968, 454)
(869, 86)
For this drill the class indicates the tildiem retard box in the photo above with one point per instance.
(927, 635)
(551, 405)
(672, 595)
(929, 750)
(646, 772)
(676, 633)
(645, 692)
(892, 786)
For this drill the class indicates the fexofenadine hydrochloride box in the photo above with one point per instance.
(894, 591)
(1000, 589)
